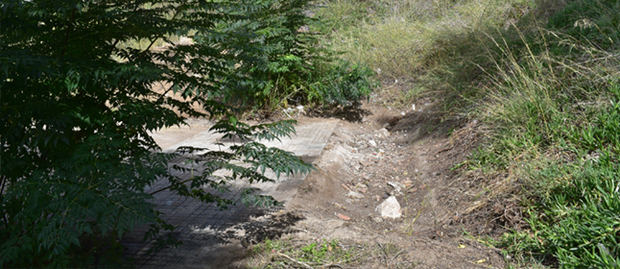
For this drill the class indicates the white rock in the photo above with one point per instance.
(390, 208)
(300, 109)
(403, 113)
(384, 132)
(372, 143)
(397, 186)
(413, 107)
(355, 195)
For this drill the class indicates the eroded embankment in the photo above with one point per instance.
(389, 156)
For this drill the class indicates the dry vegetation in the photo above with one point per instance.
(542, 80)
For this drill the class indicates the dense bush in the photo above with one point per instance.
(78, 99)
(275, 45)
(341, 84)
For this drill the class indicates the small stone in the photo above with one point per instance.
(343, 217)
(372, 143)
(300, 109)
(390, 208)
(338, 205)
(355, 195)
(397, 186)
(384, 132)
(361, 187)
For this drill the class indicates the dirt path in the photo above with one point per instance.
(388, 154)
(409, 157)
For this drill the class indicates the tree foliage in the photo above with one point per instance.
(278, 59)
(84, 82)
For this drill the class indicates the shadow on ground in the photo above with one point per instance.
(209, 236)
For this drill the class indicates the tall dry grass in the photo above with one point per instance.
(542, 77)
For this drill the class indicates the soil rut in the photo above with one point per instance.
(388, 154)
(409, 156)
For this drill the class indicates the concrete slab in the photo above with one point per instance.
(201, 226)
(169, 137)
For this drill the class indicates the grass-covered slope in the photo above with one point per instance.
(543, 79)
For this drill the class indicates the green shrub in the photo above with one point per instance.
(78, 101)
(274, 59)
(268, 52)
(342, 84)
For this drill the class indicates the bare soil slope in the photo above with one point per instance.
(410, 157)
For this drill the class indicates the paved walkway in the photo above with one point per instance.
(203, 228)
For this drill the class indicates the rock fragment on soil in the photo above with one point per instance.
(372, 143)
(355, 195)
(361, 187)
(343, 217)
(383, 132)
(397, 187)
(390, 208)
(300, 109)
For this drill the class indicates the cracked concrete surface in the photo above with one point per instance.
(202, 228)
